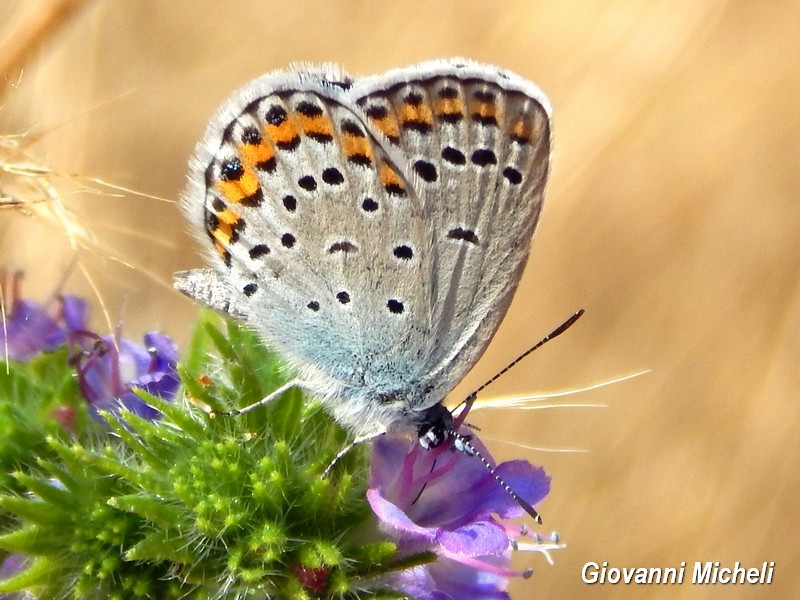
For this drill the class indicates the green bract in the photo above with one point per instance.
(194, 505)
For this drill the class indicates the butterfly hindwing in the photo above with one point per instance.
(477, 144)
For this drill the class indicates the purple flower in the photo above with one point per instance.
(112, 367)
(13, 564)
(29, 328)
(448, 503)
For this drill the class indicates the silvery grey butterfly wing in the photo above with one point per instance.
(477, 140)
(372, 231)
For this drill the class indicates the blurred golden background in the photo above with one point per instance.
(673, 217)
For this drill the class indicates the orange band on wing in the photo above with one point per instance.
(241, 189)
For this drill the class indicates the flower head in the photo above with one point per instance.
(112, 367)
(447, 503)
(30, 328)
(11, 565)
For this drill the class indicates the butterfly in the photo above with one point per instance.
(372, 230)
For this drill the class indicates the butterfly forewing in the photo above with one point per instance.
(317, 228)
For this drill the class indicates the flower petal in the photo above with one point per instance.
(163, 348)
(74, 311)
(480, 538)
(447, 579)
(394, 518)
(529, 482)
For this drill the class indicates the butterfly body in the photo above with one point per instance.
(372, 230)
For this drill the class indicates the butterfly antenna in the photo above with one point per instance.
(553, 334)
(463, 444)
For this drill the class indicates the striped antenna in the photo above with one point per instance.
(553, 334)
(463, 444)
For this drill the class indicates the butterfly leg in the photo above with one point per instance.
(284, 388)
(358, 440)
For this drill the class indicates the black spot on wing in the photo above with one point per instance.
(395, 306)
(454, 156)
(403, 252)
(426, 170)
(308, 183)
(465, 235)
(332, 176)
(258, 251)
(342, 246)
(483, 157)
(512, 175)
(290, 203)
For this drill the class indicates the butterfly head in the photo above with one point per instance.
(435, 426)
